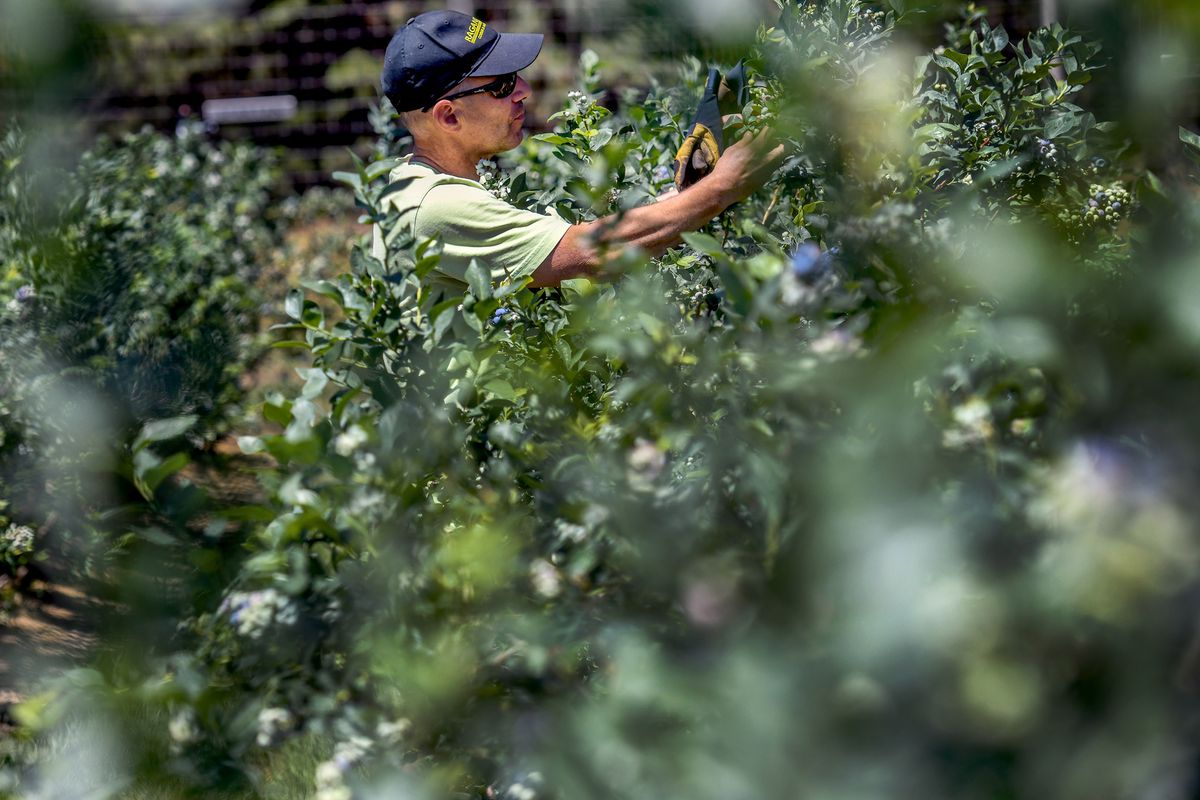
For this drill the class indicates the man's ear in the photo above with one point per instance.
(445, 116)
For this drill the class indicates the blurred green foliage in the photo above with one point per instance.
(129, 316)
(878, 485)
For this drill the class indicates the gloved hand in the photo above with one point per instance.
(706, 139)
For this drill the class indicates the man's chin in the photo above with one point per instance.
(515, 142)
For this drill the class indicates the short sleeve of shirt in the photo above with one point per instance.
(472, 223)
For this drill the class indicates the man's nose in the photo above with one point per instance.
(523, 90)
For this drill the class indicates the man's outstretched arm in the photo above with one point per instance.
(583, 250)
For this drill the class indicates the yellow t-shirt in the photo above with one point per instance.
(470, 223)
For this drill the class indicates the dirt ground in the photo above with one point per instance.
(51, 630)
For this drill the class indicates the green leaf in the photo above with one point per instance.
(479, 279)
(381, 167)
(1155, 184)
(315, 384)
(510, 287)
(285, 344)
(737, 289)
(999, 39)
(351, 179)
(588, 60)
(312, 316)
(1191, 144)
(250, 445)
(1058, 125)
(703, 243)
(279, 414)
(162, 429)
(442, 316)
(602, 137)
(249, 513)
(304, 451)
(998, 171)
(149, 470)
(934, 131)
(323, 288)
(293, 304)
(950, 66)
(501, 389)
(354, 301)
(961, 59)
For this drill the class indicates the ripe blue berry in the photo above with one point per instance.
(805, 259)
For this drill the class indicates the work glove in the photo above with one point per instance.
(706, 139)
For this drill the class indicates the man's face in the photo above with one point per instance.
(490, 124)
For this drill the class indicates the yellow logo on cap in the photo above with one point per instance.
(475, 32)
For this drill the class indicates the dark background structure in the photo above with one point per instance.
(306, 72)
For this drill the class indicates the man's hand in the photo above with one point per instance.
(747, 164)
(587, 250)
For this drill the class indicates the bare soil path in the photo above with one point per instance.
(51, 630)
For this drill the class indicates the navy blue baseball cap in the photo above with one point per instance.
(437, 50)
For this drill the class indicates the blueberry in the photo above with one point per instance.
(1093, 203)
(806, 259)
(1116, 206)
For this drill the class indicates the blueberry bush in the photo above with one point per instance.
(875, 485)
(130, 314)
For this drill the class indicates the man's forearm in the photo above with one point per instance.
(657, 226)
(585, 250)
(653, 228)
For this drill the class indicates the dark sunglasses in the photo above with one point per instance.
(499, 88)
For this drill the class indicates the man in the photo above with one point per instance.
(455, 82)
